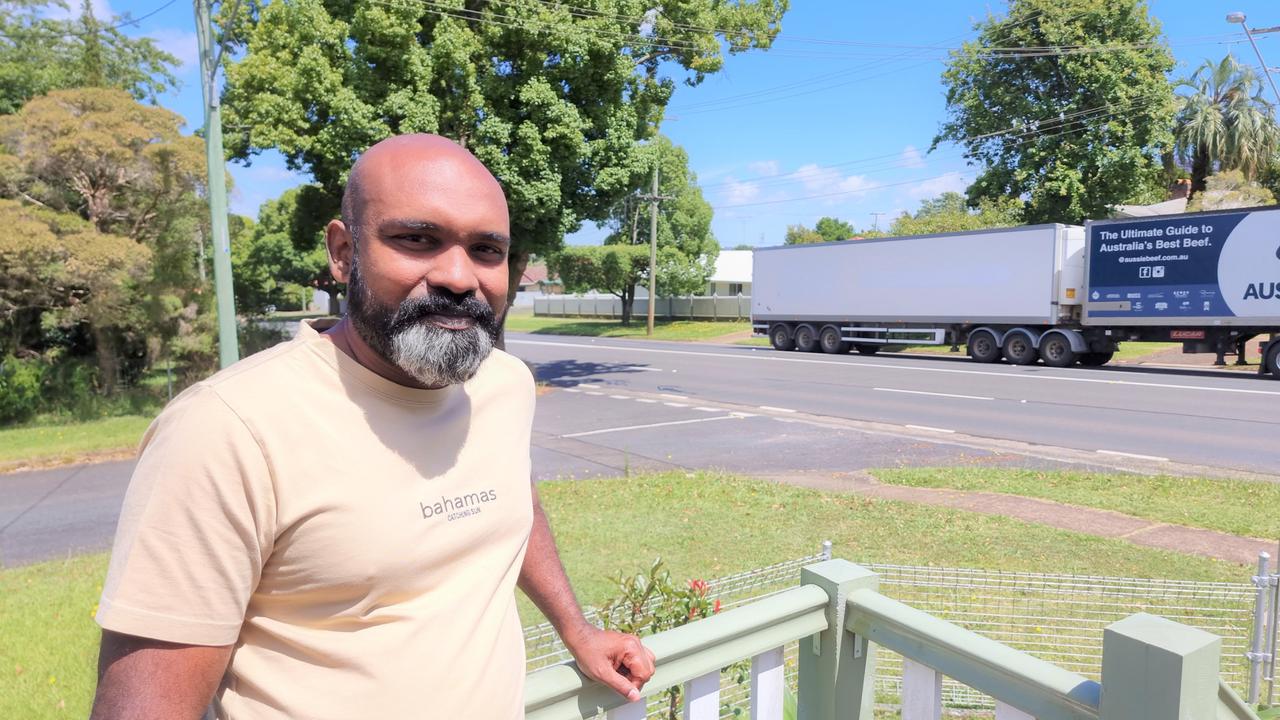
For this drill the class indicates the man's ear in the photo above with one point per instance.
(341, 247)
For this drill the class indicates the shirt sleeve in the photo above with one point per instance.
(197, 526)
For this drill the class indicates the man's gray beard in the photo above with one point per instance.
(437, 357)
(428, 353)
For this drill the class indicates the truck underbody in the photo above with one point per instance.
(1019, 344)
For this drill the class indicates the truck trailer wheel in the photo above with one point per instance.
(983, 346)
(806, 338)
(832, 343)
(1019, 350)
(1273, 361)
(780, 336)
(1096, 359)
(1056, 351)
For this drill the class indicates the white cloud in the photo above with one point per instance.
(101, 10)
(856, 185)
(178, 43)
(738, 193)
(819, 180)
(765, 168)
(911, 157)
(954, 181)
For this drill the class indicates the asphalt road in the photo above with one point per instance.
(1190, 417)
(614, 407)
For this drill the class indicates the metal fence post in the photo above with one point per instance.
(1157, 669)
(837, 668)
(1257, 648)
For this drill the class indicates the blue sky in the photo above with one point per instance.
(844, 106)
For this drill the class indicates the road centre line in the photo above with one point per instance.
(931, 429)
(652, 425)
(707, 409)
(673, 397)
(620, 397)
(1117, 453)
(934, 394)
(592, 392)
(646, 401)
(676, 404)
(776, 409)
(861, 364)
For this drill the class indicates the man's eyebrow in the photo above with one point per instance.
(394, 225)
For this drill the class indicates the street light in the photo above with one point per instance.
(1238, 18)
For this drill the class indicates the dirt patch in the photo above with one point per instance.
(1175, 356)
(731, 337)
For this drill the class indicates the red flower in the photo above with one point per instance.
(716, 607)
(693, 612)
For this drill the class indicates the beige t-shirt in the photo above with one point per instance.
(356, 540)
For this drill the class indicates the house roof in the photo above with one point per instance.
(534, 272)
(733, 266)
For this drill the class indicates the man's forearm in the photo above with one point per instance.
(543, 579)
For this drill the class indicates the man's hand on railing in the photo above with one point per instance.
(613, 658)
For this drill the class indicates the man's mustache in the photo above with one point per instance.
(414, 310)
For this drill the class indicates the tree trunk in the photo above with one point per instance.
(104, 349)
(1201, 166)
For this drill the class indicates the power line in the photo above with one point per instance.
(37, 34)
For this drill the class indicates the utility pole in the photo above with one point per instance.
(875, 221)
(653, 198)
(1239, 18)
(216, 188)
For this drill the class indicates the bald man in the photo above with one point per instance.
(334, 528)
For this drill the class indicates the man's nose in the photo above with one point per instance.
(452, 269)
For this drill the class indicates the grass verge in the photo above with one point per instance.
(702, 524)
(1230, 506)
(662, 329)
(41, 444)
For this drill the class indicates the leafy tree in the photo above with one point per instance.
(552, 97)
(1230, 189)
(1065, 104)
(744, 246)
(827, 229)
(1224, 122)
(950, 212)
(686, 248)
(39, 53)
(98, 152)
(802, 235)
(269, 264)
(833, 230)
(61, 272)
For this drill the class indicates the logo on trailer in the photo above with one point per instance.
(1247, 271)
(1186, 334)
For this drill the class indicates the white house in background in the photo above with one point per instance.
(732, 275)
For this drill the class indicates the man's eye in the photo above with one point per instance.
(490, 250)
(415, 239)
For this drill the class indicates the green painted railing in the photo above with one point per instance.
(1152, 668)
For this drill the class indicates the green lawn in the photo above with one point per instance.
(703, 525)
(1231, 506)
(662, 330)
(71, 440)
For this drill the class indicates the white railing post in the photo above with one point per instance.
(921, 691)
(767, 685)
(702, 697)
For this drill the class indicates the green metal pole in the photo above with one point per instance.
(653, 251)
(228, 346)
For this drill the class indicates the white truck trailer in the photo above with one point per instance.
(1058, 293)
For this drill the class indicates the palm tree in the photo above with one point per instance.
(1224, 123)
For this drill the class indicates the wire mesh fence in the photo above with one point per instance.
(1057, 617)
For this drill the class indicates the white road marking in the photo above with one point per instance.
(934, 394)
(620, 397)
(646, 369)
(776, 409)
(674, 397)
(707, 409)
(646, 400)
(652, 425)
(931, 429)
(1136, 456)
(676, 404)
(744, 414)
(597, 394)
(584, 386)
(860, 364)
(571, 389)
